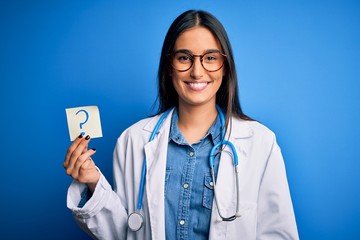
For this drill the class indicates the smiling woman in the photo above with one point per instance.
(175, 183)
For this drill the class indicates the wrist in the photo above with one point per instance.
(92, 185)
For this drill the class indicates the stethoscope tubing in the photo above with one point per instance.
(236, 167)
(143, 171)
(135, 219)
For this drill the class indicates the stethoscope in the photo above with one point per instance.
(136, 220)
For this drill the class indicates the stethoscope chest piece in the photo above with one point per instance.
(135, 221)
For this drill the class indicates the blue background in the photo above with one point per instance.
(298, 64)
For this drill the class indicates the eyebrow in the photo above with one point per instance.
(187, 51)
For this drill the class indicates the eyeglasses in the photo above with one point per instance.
(183, 60)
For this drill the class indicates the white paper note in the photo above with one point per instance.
(84, 120)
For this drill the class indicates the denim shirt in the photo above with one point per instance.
(188, 184)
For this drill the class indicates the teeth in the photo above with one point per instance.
(198, 85)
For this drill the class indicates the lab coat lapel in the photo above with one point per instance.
(155, 153)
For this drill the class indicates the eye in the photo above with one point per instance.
(182, 57)
(211, 57)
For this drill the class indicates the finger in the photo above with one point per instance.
(74, 150)
(84, 157)
(89, 174)
(89, 163)
(83, 162)
(76, 153)
(72, 147)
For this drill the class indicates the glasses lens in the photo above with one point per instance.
(182, 61)
(213, 61)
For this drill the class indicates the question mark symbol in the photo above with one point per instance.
(87, 118)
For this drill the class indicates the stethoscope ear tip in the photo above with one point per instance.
(237, 214)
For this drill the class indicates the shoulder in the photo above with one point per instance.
(251, 127)
(142, 129)
(253, 130)
(135, 131)
(255, 137)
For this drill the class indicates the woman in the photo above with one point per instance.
(172, 191)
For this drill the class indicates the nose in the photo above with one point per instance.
(197, 70)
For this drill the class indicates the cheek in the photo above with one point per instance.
(223, 72)
(177, 77)
(175, 83)
(219, 78)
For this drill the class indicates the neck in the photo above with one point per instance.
(195, 121)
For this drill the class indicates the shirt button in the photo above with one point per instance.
(211, 184)
(182, 222)
(191, 154)
(186, 185)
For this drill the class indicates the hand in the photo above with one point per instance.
(78, 162)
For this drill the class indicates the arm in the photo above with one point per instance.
(103, 216)
(276, 219)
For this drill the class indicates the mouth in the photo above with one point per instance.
(197, 86)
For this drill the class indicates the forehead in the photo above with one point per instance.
(197, 39)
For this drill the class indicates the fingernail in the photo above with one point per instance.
(94, 149)
(80, 136)
(87, 137)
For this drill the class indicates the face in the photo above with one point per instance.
(197, 86)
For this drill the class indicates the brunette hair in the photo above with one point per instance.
(227, 97)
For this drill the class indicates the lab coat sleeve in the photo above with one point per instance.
(276, 219)
(103, 216)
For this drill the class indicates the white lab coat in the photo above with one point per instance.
(266, 208)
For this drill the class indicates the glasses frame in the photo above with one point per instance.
(192, 57)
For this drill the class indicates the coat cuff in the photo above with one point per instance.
(94, 204)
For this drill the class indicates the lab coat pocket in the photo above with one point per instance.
(208, 193)
(245, 225)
